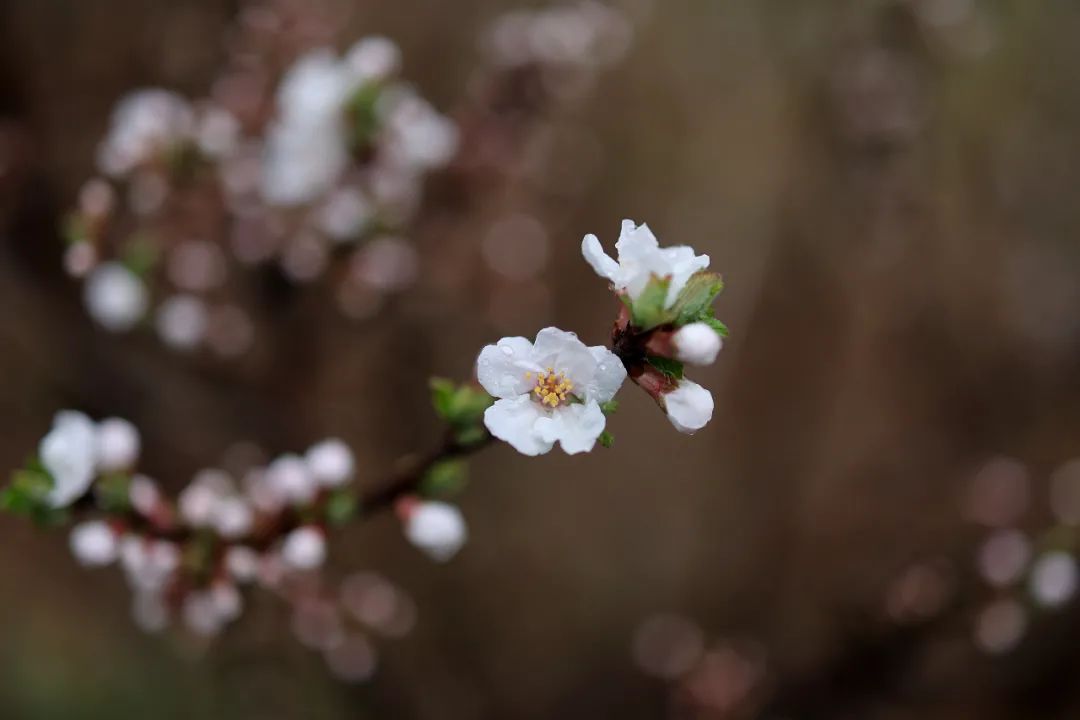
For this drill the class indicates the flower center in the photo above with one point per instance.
(552, 388)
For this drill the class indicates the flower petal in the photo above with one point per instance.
(69, 453)
(576, 427)
(514, 420)
(608, 376)
(564, 352)
(501, 368)
(689, 407)
(601, 262)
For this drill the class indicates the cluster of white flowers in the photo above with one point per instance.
(149, 124)
(689, 406)
(340, 162)
(76, 450)
(556, 389)
(240, 518)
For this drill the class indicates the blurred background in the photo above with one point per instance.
(886, 186)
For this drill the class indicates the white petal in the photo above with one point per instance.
(501, 368)
(514, 420)
(564, 352)
(69, 453)
(608, 376)
(576, 427)
(689, 407)
(601, 262)
(635, 243)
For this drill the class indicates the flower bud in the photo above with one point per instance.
(689, 406)
(93, 544)
(304, 548)
(437, 528)
(117, 444)
(330, 462)
(697, 344)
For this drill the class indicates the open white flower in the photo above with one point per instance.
(549, 391)
(641, 257)
(689, 406)
(69, 453)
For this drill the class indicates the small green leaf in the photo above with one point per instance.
(649, 308)
(607, 439)
(363, 115)
(470, 435)
(610, 407)
(671, 368)
(112, 493)
(461, 406)
(719, 327)
(341, 507)
(695, 300)
(444, 479)
(140, 255)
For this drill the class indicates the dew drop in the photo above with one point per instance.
(507, 350)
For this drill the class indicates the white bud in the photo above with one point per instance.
(290, 477)
(93, 543)
(198, 503)
(330, 462)
(437, 528)
(1054, 579)
(689, 407)
(144, 495)
(233, 517)
(304, 548)
(117, 444)
(242, 563)
(697, 344)
(115, 297)
(373, 58)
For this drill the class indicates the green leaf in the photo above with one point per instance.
(671, 368)
(112, 492)
(719, 327)
(140, 255)
(363, 115)
(461, 406)
(444, 479)
(649, 308)
(470, 435)
(28, 494)
(341, 507)
(695, 300)
(610, 407)
(607, 439)
(74, 229)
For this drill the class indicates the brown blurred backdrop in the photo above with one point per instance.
(888, 193)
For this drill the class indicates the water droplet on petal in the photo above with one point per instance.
(507, 350)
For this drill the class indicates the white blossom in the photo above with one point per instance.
(291, 478)
(1054, 578)
(697, 344)
(69, 453)
(93, 543)
(437, 528)
(689, 406)
(148, 564)
(181, 321)
(373, 58)
(117, 444)
(144, 123)
(415, 135)
(307, 147)
(115, 297)
(242, 563)
(233, 517)
(330, 462)
(641, 257)
(304, 548)
(549, 391)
